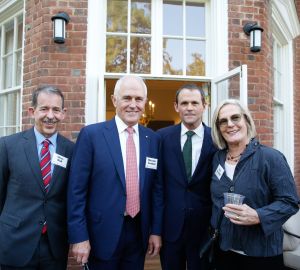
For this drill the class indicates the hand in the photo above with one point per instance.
(154, 245)
(241, 214)
(81, 251)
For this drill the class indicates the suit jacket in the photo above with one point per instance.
(183, 198)
(97, 191)
(24, 204)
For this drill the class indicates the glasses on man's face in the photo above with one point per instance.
(234, 119)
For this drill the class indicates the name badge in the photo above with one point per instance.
(59, 160)
(219, 172)
(151, 163)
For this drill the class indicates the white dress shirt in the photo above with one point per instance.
(197, 141)
(123, 134)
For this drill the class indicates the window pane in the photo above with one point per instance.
(2, 113)
(12, 104)
(195, 58)
(172, 56)
(141, 16)
(9, 37)
(195, 20)
(116, 54)
(19, 67)
(20, 32)
(117, 16)
(140, 55)
(8, 71)
(173, 18)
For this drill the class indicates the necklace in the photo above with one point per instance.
(233, 158)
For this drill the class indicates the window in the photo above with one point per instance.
(277, 99)
(128, 36)
(11, 40)
(139, 40)
(183, 38)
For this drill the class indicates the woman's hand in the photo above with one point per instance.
(241, 214)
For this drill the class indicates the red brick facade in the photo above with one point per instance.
(259, 64)
(62, 65)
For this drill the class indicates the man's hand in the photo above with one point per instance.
(81, 251)
(154, 245)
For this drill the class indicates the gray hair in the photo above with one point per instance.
(216, 134)
(49, 89)
(126, 77)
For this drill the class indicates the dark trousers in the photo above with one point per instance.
(229, 260)
(42, 259)
(130, 253)
(184, 253)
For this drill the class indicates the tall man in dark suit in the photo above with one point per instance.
(34, 167)
(186, 154)
(114, 196)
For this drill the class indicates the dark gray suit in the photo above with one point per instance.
(24, 204)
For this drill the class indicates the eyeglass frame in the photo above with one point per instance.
(223, 122)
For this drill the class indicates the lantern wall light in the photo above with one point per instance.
(59, 26)
(254, 30)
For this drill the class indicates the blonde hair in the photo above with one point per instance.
(216, 133)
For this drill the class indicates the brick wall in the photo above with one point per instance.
(259, 63)
(297, 104)
(62, 65)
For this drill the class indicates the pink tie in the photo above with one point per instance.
(132, 184)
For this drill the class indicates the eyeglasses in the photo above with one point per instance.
(234, 119)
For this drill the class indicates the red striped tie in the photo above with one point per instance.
(45, 165)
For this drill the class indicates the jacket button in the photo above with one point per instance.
(231, 189)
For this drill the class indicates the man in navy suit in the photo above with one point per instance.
(101, 228)
(187, 193)
(33, 215)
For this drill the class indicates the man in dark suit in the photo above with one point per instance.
(33, 218)
(114, 196)
(186, 153)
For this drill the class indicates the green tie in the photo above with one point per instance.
(187, 154)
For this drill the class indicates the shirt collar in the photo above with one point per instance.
(40, 138)
(199, 130)
(121, 126)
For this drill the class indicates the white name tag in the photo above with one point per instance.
(219, 172)
(151, 163)
(59, 160)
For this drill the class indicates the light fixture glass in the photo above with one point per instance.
(254, 31)
(59, 26)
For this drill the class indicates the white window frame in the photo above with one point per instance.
(11, 10)
(240, 71)
(285, 27)
(216, 52)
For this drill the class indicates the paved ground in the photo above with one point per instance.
(152, 264)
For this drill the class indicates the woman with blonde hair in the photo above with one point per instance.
(251, 236)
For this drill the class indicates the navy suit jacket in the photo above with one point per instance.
(183, 198)
(97, 191)
(24, 204)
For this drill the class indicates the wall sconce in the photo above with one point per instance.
(254, 31)
(59, 26)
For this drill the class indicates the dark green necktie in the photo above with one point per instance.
(187, 154)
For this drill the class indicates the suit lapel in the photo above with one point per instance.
(113, 143)
(204, 150)
(144, 144)
(57, 170)
(176, 139)
(30, 149)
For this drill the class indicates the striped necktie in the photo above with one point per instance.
(45, 165)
